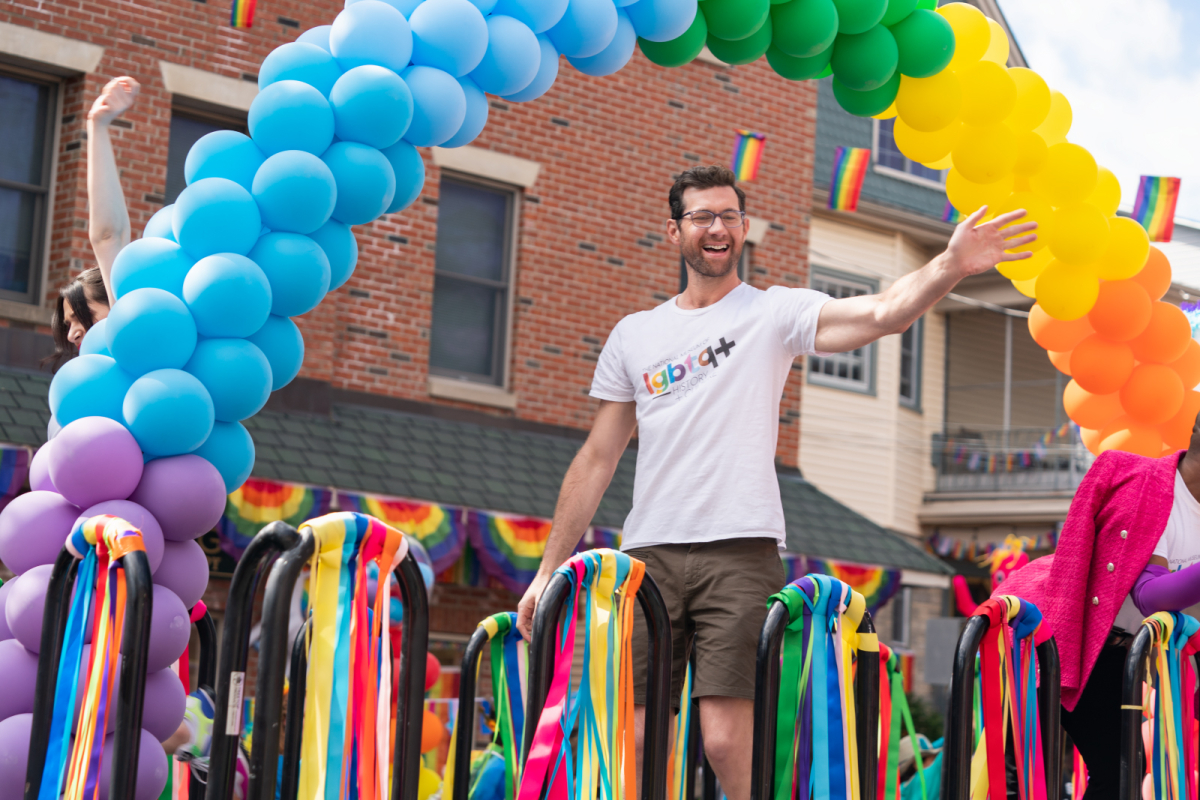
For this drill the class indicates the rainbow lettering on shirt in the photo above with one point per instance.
(660, 383)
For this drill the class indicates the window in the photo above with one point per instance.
(888, 157)
(27, 108)
(187, 126)
(854, 370)
(911, 343)
(743, 267)
(472, 277)
(902, 617)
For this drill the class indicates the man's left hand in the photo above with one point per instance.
(976, 248)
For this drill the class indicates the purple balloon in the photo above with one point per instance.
(33, 529)
(95, 459)
(24, 605)
(165, 703)
(5, 633)
(170, 629)
(186, 494)
(137, 516)
(184, 570)
(39, 470)
(151, 773)
(19, 668)
(14, 752)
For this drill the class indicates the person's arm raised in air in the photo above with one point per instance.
(108, 219)
(583, 486)
(852, 322)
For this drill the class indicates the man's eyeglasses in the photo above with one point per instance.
(705, 219)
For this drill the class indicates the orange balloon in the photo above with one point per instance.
(1188, 365)
(1054, 334)
(1101, 366)
(1089, 410)
(1122, 310)
(1060, 360)
(1132, 437)
(432, 732)
(1177, 431)
(1090, 439)
(1165, 338)
(1155, 276)
(1153, 394)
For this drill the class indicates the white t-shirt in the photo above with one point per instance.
(707, 383)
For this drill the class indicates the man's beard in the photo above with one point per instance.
(698, 261)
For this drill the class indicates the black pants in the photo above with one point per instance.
(1095, 724)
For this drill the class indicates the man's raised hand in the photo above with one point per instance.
(976, 248)
(115, 99)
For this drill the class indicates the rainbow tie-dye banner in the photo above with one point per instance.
(876, 584)
(438, 528)
(241, 14)
(747, 154)
(509, 547)
(259, 501)
(849, 172)
(951, 214)
(14, 470)
(1154, 207)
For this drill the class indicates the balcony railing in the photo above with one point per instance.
(1016, 460)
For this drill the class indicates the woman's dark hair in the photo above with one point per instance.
(88, 286)
(703, 178)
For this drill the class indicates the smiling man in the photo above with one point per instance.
(701, 377)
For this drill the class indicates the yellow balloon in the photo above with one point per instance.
(1026, 269)
(1068, 176)
(427, 783)
(1036, 210)
(887, 113)
(1033, 99)
(922, 147)
(1108, 192)
(1079, 234)
(997, 51)
(1066, 292)
(989, 93)
(1128, 247)
(968, 197)
(985, 153)
(929, 104)
(1055, 126)
(972, 34)
(942, 163)
(1031, 153)
(1027, 288)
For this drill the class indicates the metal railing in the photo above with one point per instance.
(1016, 460)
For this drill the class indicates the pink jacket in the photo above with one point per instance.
(1117, 517)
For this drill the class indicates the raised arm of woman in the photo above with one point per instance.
(108, 219)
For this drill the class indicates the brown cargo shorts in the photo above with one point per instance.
(716, 595)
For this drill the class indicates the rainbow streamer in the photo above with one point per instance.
(259, 502)
(1171, 752)
(951, 214)
(747, 154)
(1154, 207)
(241, 14)
(438, 528)
(894, 713)
(849, 171)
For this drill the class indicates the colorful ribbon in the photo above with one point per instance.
(677, 777)
(895, 717)
(1172, 760)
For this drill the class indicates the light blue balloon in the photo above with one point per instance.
(661, 20)
(539, 15)
(512, 59)
(159, 226)
(546, 74)
(485, 6)
(587, 27)
(409, 169)
(450, 35)
(405, 7)
(228, 295)
(216, 215)
(439, 105)
(290, 115)
(236, 374)
(371, 32)
(95, 341)
(318, 36)
(613, 57)
(230, 449)
(150, 329)
(297, 269)
(169, 412)
(280, 341)
(150, 264)
(340, 247)
(295, 191)
(91, 385)
(365, 182)
(371, 105)
(300, 61)
(223, 154)
(477, 114)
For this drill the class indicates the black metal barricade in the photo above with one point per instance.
(205, 678)
(464, 724)
(293, 732)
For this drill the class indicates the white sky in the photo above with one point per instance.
(1131, 70)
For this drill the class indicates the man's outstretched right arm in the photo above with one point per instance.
(582, 487)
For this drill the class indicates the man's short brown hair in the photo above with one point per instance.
(703, 178)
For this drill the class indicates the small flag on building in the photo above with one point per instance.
(951, 214)
(849, 170)
(747, 153)
(1154, 207)
(241, 15)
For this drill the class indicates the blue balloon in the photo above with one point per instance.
(228, 295)
(236, 374)
(90, 385)
(297, 269)
(613, 57)
(230, 449)
(585, 29)
(295, 191)
(223, 154)
(485, 6)
(371, 105)
(476, 118)
(546, 74)
(405, 7)
(539, 15)
(216, 215)
(159, 226)
(280, 341)
(150, 264)
(169, 412)
(661, 20)
(450, 35)
(150, 329)
(340, 247)
(409, 168)
(371, 32)
(300, 61)
(290, 115)
(439, 105)
(512, 59)
(95, 341)
(365, 181)
(318, 36)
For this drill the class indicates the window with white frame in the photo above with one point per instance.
(887, 155)
(911, 344)
(473, 273)
(187, 126)
(902, 617)
(853, 370)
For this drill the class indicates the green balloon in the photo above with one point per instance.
(865, 61)
(798, 69)
(897, 10)
(859, 16)
(734, 20)
(866, 104)
(804, 28)
(926, 43)
(743, 51)
(928, 5)
(681, 50)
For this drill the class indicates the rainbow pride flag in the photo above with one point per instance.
(849, 171)
(260, 501)
(876, 584)
(509, 546)
(241, 14)
(747, 154)
(1154, 207)
(951, 214)
(438, 528)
